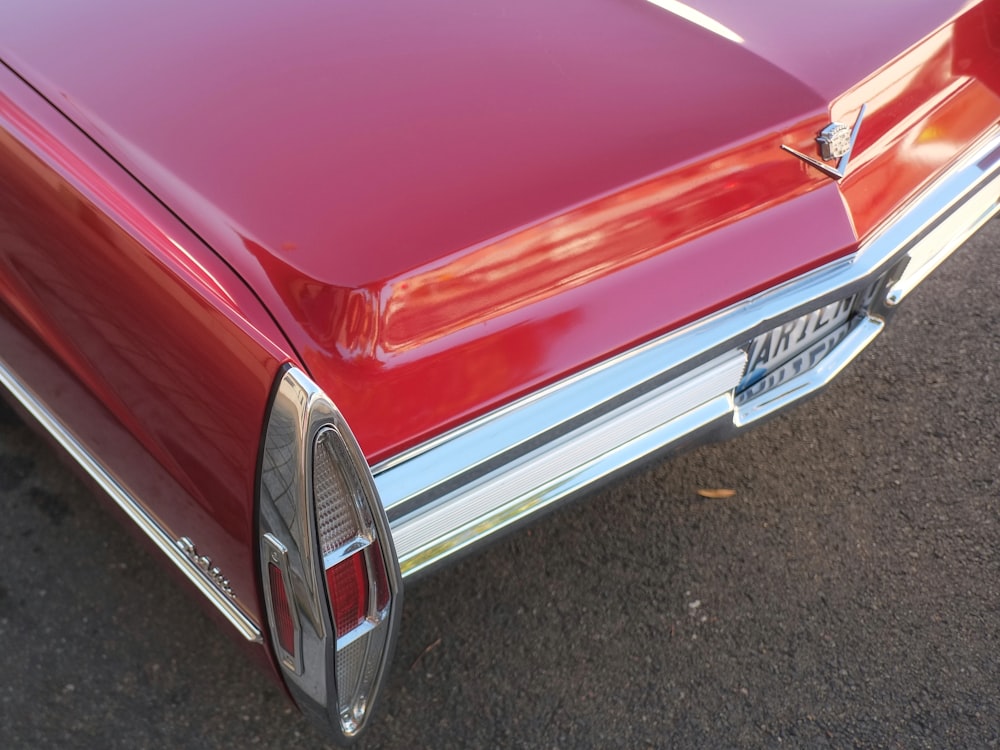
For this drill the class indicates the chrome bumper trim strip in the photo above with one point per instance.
(456, 490)
(944, 238)
(131, 506)
(574, 461)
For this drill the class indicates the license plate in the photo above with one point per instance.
(795, 347)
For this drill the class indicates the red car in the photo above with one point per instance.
(323, 295)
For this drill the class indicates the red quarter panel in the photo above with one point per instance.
(161, 360)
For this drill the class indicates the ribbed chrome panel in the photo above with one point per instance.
(498, 500)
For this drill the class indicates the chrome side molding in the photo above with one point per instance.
(179, 551)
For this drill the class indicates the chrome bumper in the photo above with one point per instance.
(452, 493)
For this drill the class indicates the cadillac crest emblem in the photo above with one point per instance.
(835, 142)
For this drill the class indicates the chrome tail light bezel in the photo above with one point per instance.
(300, 416)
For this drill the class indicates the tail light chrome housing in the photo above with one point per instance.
(328, 569)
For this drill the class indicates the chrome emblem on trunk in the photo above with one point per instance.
(835, 142)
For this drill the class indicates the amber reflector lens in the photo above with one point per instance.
(348, 585)
(282, 615)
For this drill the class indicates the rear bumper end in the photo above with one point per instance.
(453, 493)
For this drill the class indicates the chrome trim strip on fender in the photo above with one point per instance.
(452, 492)
(172, 548)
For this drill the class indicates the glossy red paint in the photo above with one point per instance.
(446, 204)
(151, 350)
(926, 106)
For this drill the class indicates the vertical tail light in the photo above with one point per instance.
(355, 576)
(328, 567)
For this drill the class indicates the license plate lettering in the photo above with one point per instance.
(769, 350)
(792, 348)
(797, 365)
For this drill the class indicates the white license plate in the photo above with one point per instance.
(794, 348)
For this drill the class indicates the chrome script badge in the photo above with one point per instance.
(835, 142)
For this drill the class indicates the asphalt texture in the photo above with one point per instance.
(847, 594)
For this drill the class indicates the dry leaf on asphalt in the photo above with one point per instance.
(716, 494)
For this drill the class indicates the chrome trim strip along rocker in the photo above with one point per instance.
(174, 550)
(453, 492)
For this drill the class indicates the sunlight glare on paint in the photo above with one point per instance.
(697, 17)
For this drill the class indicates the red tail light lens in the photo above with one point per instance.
(281, 611)
(347, 582)
(356, 580)
(282, 614)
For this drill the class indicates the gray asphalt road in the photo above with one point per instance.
(846, 596)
